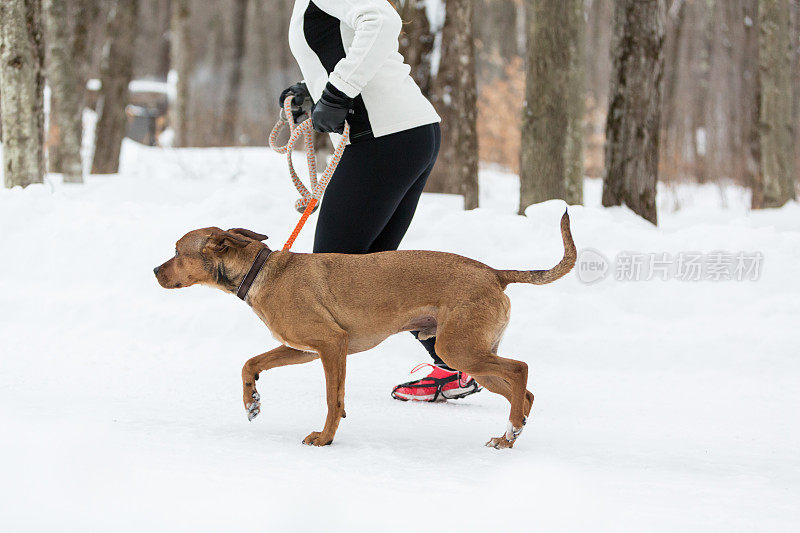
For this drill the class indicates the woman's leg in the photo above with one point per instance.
(374, 193)
(392, 234)
(370, 184)
(396, 227)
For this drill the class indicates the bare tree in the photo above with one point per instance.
(288, 69)
(234, 82)
(180, 51)
(634, 109)
(455, 97)
(65, 77)
(776, 184)
(22, 87)
(748, 132)
(166, 20)
(597, 42)
(416, 42)
(575, 28)
(86, 12)
(796, 83)
(116, 73)
(496, 40)
(551, 152)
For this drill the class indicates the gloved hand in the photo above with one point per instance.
(330, 112)
(301, 102)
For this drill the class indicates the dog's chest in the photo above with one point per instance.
(278, 336)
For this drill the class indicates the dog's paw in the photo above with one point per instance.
(315, 438)
(254, 408)
(498, 443)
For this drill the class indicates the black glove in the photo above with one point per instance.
(301, 102)
(330, 112)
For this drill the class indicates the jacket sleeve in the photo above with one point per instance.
(377, 27)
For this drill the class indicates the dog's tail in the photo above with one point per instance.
(543, 277)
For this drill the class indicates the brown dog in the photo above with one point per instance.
(330, 305)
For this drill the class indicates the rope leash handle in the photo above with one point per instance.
(295, 131)
(309, 199)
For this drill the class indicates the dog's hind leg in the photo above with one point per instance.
(334, 359)
(511, 371)
(502, 387)
(464, 341)
(280, 356)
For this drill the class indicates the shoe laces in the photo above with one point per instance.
(419, 366)
(463, 379)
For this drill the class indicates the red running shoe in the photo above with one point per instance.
(440, 385)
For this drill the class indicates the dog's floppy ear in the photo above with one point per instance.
(248, 233)
(219, 242)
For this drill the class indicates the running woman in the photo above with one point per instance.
(348, 53)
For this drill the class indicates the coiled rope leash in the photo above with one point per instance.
(308, 200)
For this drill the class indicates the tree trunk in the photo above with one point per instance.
(289, 68)
(233, 87)
(115, 75)
(416, 43)
(66, 93)
(22, 86)
(776, 135)
(86, 13)
(74, 31)
(575, 28)
(495, 38)
(796, 85)
(455, 98)
(634, 109)
(751, 102)
(165, 20)
(551, 158)
(673, 95)
(180, 50)
(597, 41)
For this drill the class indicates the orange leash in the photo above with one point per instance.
(309, 209)
(308, 199)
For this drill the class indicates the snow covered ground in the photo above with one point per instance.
(660, 405)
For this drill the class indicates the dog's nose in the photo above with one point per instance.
(155, 270)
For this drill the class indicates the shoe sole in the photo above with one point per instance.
(446, 395)
(459, 395)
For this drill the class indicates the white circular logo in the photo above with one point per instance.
(592, 266)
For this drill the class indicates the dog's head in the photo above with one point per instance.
(210, 256)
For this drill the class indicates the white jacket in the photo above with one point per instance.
(353, 44)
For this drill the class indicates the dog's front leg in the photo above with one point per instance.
(334, 357)
(280, 356)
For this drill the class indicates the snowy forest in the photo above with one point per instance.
(525, 85)
(664, 363)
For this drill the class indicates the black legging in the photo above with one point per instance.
(373, 194)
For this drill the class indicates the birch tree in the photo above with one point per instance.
(455, 98)
(115, 76)
(634, 108)
(22, 88)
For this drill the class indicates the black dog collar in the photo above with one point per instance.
(248, 280)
